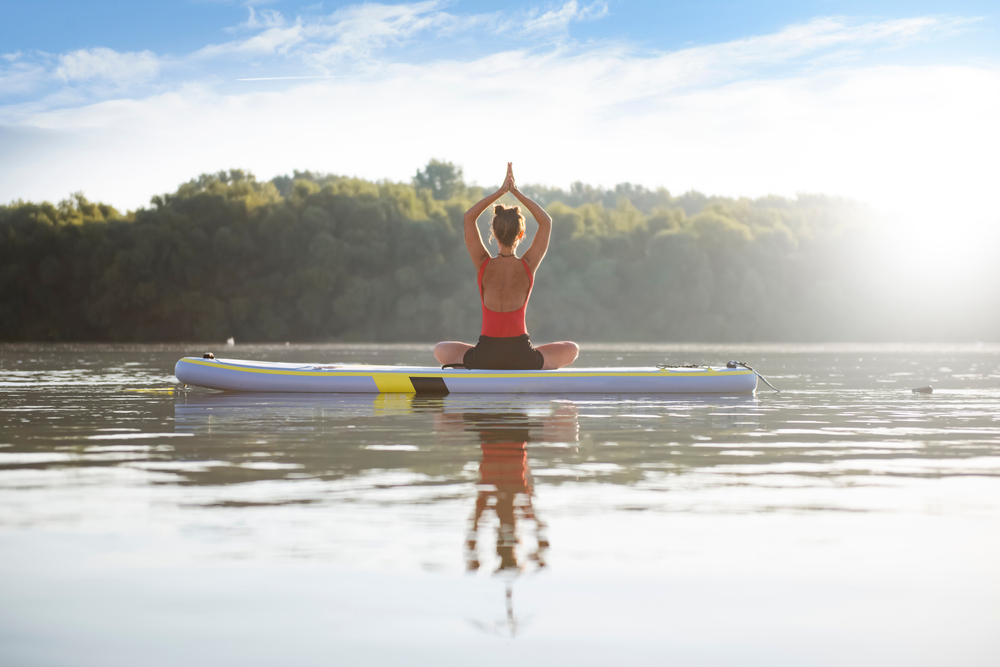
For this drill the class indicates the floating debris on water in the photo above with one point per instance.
(923, 390)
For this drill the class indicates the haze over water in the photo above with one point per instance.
(844, 520)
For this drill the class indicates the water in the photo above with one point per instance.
(845, 520)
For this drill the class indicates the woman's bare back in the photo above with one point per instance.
(505, 284)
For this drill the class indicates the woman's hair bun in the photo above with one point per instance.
(508, 224)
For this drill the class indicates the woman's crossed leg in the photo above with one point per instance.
(556, 355)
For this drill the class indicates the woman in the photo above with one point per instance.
(505, 283)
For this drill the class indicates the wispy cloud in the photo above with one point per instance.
(106, 65)
(359, 31)
(278, 40)
(799, 45)
(352, 32)
(364, 31)
(267, 18)
(829, 32)
(20, 73)
(558, 20)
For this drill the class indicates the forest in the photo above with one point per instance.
(320, 257)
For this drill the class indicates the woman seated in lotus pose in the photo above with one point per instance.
(505, 283)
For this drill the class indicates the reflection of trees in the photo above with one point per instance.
(341, 436)
(330, 437)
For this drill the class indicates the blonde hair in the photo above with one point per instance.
(507, 226)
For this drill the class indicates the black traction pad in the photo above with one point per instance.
(429, 386)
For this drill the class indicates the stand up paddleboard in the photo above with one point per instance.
(264, 376)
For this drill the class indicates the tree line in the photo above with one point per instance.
(317, 257)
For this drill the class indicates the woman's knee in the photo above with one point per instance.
(443, 350)
(559, 354)
(569, 350)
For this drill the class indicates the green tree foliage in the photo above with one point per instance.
(443, 179)
(312, 257)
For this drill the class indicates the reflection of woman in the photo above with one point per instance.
(506, 487)
(505, 283)
(504, 477)
(505, 480)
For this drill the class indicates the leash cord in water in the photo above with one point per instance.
(734, 364)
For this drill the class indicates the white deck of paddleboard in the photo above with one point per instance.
(262, 376)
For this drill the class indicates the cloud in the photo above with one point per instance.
(19, 74)
(358, 31)
(106, 65)
(273, 41)
(362, 32)
(351, 32)
(854, 132)
(268, 18)
(558, 20)
(799, 45)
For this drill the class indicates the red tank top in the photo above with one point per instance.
(503, 325)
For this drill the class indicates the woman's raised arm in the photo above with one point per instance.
(540, 244)
(473, 239)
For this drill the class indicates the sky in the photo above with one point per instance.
(891, 103)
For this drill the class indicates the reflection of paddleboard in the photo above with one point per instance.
(239, 375)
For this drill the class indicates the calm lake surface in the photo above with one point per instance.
(843, 521)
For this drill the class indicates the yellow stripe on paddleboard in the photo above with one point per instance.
(393, 383)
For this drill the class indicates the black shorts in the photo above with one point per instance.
(510, 353)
